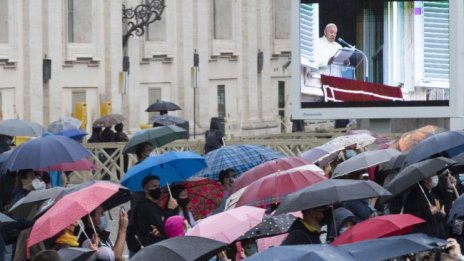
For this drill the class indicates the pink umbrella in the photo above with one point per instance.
(72, 207)
(229, 225)
(273, 188)
(83, 164)
(267, 168)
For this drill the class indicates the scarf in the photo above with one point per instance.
(68, 238)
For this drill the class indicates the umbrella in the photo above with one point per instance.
(167, 120)
(417, 172)
(410, 139)
(329, 192)
(363, 161)
(270, 226)
(450, 143)
(322, 154)
(27, 207)
(170, 167)
(81, 165)
(273, 188)
(379, 139)
(75, 253)
(205, 196)
(46, 151)
(380, 226)
(161, 105)
(157, 136)
(108, 120)
(180, 249)
(63, 124)
(316, 252)
(5, 220)
(265, 169)
(396, 162)
(361, 140)
(229, 225)
(74, 206)
(391, 247)
(231, 201)
(75, 134)
(15, 127)
(239, 157)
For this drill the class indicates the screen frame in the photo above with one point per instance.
(455, 109)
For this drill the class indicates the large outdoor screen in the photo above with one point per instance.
(374, 53)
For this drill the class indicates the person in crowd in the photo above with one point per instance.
(307, 230)
(176, 226)
(226, 179)
(47, 255)
(107, 135)
(149, 217)
(27, 180)
(445, 191)
(249, 247)
(98, 220)
(142, 151)
(421, 203)
(120, 136)
(326, 48)
(95, 137)
(344, 219)
(361, 207)
(180, 194)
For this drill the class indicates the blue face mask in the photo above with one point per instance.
(103, 222)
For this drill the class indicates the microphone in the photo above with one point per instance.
(344, 42)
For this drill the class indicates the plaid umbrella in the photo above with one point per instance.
(65, 123)
(108, 120)
(239, 157)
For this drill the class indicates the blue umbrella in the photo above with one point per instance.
(239, 157)
(75, 134)
(44, 152)
(450, 142)
(170, 167)
(316, 252)
(390, 247)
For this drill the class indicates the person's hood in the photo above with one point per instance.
(342, 215)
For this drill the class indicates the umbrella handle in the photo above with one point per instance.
(93, 226)
(169, 189)
(83, 229)
(334, 222)
(423, 192)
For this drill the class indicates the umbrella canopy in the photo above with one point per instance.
(167, 120)
(74, 206)
(380, 226)
(75, 134)
(229, 225)
(231, 201)
(410, 139)
(157, 136)
(27, 207)
(396, 162)
(75, 253)
(170, 167)
(417, 172)
(322, 155)
(363, 161)
(267, 168)
(457, 210)
(205, 196)
(81, 165)
(450, 143)
(273, 188)
(239, 157)
(329, 192)
(316, 252)
(361, 140)
(391, 247)
(379, 139)
(15, 127)
(44, 152)
(108, 120)
(65, 123)
(270, 226)
(181, 249)
(161, 105)
(5, 220)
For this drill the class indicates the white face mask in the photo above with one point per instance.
(38, 184)
(434, 181)
(343, 229)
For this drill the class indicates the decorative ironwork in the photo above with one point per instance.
(140, 16)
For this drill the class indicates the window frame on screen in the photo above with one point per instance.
(452, 109)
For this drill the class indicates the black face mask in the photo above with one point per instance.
(183, 202)
(155, 193)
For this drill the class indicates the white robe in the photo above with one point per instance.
(323, 52)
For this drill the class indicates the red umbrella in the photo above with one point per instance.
(376, 227)
(205, 196)
(74, 206)
(273, 188)
(267, 168)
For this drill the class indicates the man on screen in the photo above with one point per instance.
(326, 48)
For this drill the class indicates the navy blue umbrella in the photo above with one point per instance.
(316, 252)
(390, 247)
(44, 152)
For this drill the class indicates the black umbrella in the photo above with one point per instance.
(363, 161)
(417, 172)
(161, 105)
(75, 253)
(391, 247)
(311, 252)
(329, 192)
(166, 120)
(396, 162)
(27, 207)
(271, 226)
(180, 249)
(6, 220)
